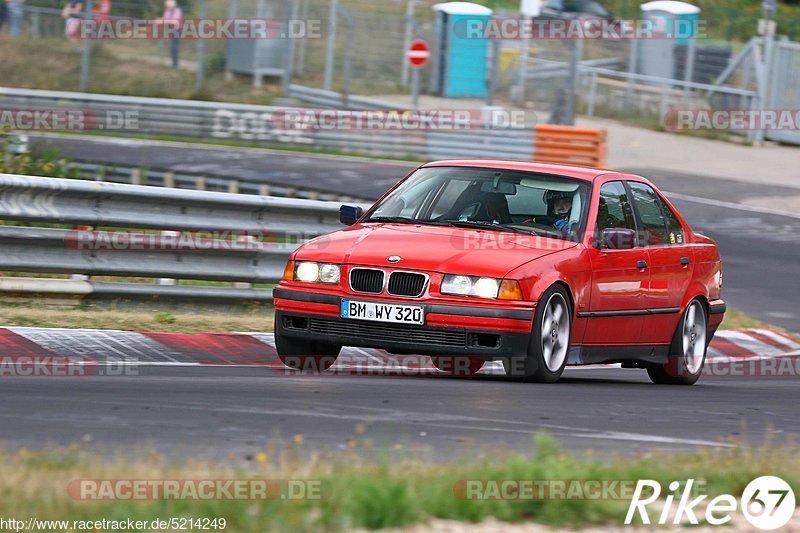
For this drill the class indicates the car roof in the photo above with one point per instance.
(570, 171)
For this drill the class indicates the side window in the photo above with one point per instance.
(673, 225)
(615, 210)
(654, 225)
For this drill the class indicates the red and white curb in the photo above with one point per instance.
(106, 347)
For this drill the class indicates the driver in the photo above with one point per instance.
(560, 207)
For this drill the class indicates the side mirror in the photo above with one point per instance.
(348, 214)
(618, 239)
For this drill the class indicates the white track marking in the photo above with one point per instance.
(731, 205)
(95, 344)
(781, 339)
(752, 344)
(135, 348)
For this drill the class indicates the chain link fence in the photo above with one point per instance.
(358, 48)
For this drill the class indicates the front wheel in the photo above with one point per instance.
(687, 354)
(550, 340)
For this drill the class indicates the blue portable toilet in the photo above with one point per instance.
(461, 50)
(677, 20)
(675, 26)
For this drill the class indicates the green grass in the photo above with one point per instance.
(58, 68)
(357, 493)
(142, 317)
(37, 313)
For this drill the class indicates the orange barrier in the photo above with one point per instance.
(570, 145)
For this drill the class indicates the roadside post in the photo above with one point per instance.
(417, 55)
(86, 56)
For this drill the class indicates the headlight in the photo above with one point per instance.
(329, 273)
(470, 286)
(307, 271)
(311, 272)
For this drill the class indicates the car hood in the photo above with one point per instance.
(431, 248)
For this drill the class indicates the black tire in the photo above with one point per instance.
(304, 355)
(535, 366)
(458, 365)
(682, 368)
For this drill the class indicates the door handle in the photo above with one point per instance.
(684, 261)
(641, 263)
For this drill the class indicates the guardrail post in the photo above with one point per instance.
(136, 176)
(169, 179)
(80, 277)
(233, 186)
(200, 183)
(248, 241)
(168, 281)
(264, 190)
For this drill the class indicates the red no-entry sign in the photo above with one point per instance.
(418, 54)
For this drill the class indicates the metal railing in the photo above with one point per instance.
(667, 91)
(208, 236)
(135, 175)
(261, 125)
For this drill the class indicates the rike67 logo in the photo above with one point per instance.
(768, 503)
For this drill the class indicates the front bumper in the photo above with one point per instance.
(486, 332)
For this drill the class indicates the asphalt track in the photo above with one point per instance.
(219, 410)
(223, 394)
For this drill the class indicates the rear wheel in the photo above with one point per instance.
(687, 354)
(550, 340)
(305, 355)
(458, 365)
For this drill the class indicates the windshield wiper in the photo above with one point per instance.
(406, 220)
(399, 220)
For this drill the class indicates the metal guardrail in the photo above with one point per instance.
(257, 124)
(134, 175)
(236, 256)
(333, 99)
(546, 68)
(53, 200)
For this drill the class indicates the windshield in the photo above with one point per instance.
(503, 200)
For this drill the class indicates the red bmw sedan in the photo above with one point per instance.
(538, 266)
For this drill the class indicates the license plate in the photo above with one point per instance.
(380, 312)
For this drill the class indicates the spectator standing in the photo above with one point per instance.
(173, 18)
(15, 8)
(72, 13)
(101, 10)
